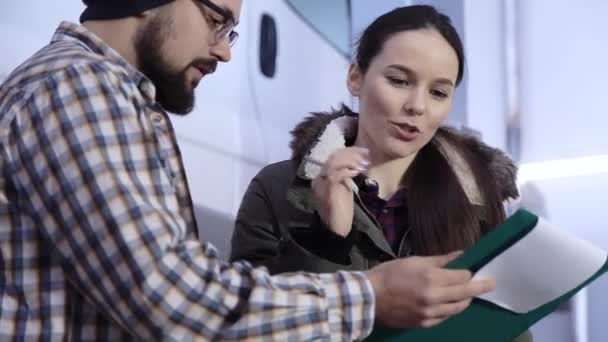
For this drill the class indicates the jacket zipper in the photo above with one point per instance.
(409, 250)
(369, 214)
(373, 218)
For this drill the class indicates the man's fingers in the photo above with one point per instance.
(446, 277)
(429, 323)
(445, 310)
(443, 260)
(457, 293)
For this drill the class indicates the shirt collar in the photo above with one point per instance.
(368, 190)
(68, 31)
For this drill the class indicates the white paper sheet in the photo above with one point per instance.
(542, 266)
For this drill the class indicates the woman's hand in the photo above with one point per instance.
(333, 191)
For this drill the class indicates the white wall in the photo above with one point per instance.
(564, 81)
(29, 27)
(565, 78)
(486, 103)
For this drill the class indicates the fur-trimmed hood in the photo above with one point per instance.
(320, 134)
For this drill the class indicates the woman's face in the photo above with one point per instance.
(406, 93)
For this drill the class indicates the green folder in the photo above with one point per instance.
(484, 321)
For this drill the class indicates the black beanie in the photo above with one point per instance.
(114, 9)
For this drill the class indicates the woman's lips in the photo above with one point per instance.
(405, 131)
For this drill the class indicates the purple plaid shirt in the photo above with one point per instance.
(391, 213)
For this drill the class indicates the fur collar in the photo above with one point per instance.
(320, 134)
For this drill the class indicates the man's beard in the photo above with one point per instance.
(172, 91)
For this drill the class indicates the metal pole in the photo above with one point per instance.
(512, 77)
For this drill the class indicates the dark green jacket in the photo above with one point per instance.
(277, 225)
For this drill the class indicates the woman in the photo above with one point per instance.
(387, 182)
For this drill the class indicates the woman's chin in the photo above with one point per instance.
(400, 150)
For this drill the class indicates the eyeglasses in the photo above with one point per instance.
(223, 29)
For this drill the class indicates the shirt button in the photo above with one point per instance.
(157, 118)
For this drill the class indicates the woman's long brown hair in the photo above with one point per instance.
(441, 216)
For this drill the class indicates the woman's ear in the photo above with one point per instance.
(354, 80)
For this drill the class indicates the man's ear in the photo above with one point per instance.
(354, 80)
(144, 14)
(147, 13)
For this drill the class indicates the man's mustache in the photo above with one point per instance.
(208, 65)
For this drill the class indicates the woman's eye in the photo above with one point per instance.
(400, 82)
(439, 93)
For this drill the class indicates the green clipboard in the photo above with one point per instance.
(484, 321)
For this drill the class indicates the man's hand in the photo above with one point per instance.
(420, 292)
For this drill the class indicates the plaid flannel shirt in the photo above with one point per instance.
(391, 214)
(97, 234)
